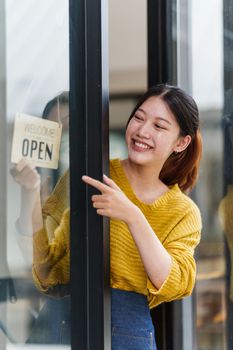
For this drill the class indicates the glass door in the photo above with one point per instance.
(190, 44)
(205, 48)
(54, 108)
(36, 305)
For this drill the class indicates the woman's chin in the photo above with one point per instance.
(140, 157)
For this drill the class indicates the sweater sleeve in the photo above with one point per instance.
(51, 244)
(180, 244)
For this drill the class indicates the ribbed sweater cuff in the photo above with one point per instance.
(168, 289)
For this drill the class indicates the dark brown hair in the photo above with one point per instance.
(182, 167)
(63, 99)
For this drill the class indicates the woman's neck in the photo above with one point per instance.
(146, 177)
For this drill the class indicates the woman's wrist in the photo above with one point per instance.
(24, 228)
(134, 216)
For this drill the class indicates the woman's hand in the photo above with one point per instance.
(26, 175)
(112, 202)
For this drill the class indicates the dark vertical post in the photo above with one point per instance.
(161, 28)
(90, 295)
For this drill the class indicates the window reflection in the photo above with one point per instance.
(211, 304)
(51, 322)
(57, 110)
(37, 84)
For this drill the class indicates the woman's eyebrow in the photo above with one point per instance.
(157, 118)
(141, 110)
(163, 119)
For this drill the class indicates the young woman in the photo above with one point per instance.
(155, 226)
(51, 323)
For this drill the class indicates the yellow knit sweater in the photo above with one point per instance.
(174, 218)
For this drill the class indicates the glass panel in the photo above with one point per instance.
(37, 259)
(127, 66)
(207, 49)
(208, 91)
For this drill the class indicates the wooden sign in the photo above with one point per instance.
(37, 140)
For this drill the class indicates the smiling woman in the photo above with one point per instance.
(154, 228)
(173, 107)
(154, 131)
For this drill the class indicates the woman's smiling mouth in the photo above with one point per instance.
(139, 146)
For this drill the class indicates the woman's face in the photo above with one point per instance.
(153, 134)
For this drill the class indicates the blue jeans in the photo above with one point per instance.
(132, 327)
(52, 325)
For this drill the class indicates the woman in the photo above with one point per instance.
(154, 225)
(51, 323)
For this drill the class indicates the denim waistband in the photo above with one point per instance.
(130, 307)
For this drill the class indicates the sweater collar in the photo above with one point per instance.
(126, 187)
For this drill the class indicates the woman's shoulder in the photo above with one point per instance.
(62, 183)
(187, 207)
(179, 203)
(115, 169)
(59, 198)
(114, 163)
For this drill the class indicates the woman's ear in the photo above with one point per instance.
(182, 143)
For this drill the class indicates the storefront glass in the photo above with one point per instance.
(206, 48)
(127, 66)
(36, 54)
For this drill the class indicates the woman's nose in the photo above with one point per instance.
(144, 130)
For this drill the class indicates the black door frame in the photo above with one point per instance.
(162, 68)
(90, 293)
(162, 52)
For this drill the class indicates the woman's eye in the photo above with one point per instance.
(138, 117)
(158, 126)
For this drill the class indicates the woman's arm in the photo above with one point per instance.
(48, 227)
(170, 266)
(114, 204)
(51, 259)
(30, 218)
(156, 259)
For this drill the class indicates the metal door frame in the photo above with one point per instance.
(89, 134)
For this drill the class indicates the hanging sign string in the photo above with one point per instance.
(59, 112)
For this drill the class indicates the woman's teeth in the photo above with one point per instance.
(141, 145)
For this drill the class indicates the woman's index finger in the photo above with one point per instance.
(95, 183)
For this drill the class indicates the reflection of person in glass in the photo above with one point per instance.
(24, 173)
(52, 324)
(155, 226)
(57, 110)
